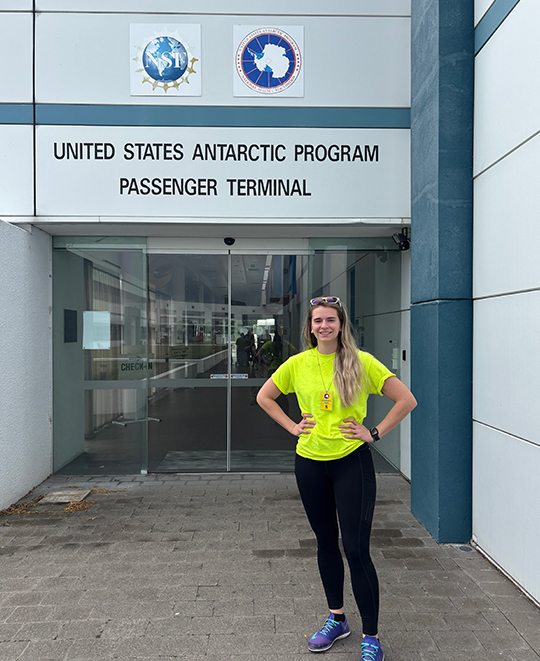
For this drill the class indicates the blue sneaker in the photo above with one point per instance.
(371, 649)
(331, 631)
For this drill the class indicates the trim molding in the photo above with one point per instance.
(121, 115)
(491, 22)
(16, 113)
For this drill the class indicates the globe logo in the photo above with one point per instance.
(165, 59)
(268, 60)
(326, 395)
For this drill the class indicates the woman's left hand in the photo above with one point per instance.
(354, 430)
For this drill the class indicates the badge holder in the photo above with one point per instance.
(326, 400)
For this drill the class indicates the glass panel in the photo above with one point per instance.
(269, 300)
(188, 314)
(191, 436)
(100, 356)
(369, 282)
(114, 424)
(382, 333)
(377, 318)
(120, 380)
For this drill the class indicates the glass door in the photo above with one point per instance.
(269, 301)
(188, 315)
(219, 325)
(100, 356)
(158, 358)
(366, 274)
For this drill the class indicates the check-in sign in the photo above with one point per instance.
(134, 367)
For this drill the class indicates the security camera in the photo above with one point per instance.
(402, 240)
(229, 241)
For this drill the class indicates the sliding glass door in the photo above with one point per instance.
(269, 295)
(159, 354)
(219, 324)
(189, 337)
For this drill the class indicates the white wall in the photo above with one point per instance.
(16, 170)
(16, 38)
(505, 89)
(506, 390)
(506, 522)
(16, 141)
(331, 75)
(25, 282)
(25, 356)
(244, 7)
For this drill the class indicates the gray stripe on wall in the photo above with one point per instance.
(91, 115)
(16, 113)
(491, 21)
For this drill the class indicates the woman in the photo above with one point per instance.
(334, 470)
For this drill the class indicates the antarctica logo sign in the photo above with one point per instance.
(165, 60)
(268, 61)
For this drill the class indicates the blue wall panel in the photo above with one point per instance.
(441, 267)
(441, 426)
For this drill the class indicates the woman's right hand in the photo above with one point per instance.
(304, 426)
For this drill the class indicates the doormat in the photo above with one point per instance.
(249, 461)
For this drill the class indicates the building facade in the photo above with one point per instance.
(176, 186)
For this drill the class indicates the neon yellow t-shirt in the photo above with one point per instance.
(308, 374)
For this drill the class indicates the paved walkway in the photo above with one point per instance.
(217, 567)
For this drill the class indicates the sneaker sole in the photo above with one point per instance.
(324, 649)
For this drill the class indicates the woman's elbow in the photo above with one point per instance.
(262, 399)
(412, 403)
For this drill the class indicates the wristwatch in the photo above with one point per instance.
(374, 434)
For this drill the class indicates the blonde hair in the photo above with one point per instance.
(349, 374)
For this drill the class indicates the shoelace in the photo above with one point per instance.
(328, 626)
(369, 652)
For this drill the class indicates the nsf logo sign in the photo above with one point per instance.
(165, 60)
(268, 61)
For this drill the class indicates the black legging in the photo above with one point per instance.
(348, 486)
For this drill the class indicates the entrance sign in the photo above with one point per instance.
(222, 173)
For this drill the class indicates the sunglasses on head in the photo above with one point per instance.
(333, 300)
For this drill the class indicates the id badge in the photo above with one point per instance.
(326, 400)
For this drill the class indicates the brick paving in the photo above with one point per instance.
(215, 567)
